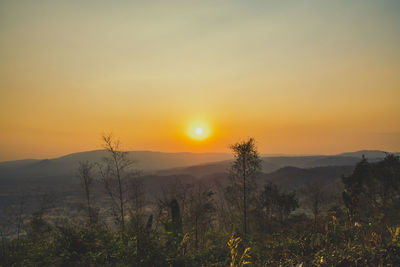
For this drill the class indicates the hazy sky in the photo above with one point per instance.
(299, 76)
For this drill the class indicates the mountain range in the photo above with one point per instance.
(57, 176)
(198, 165)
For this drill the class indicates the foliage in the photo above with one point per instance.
(373, 188)
(275, 205)
(362, 230)
(238, 259)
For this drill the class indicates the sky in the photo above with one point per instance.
(301, 77)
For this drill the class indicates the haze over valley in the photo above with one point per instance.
(32, 178)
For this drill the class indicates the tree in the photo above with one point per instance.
(175, 190)
(176, 219)
(201, 209)
(173, 227)
(373, 189)
(268, 200)
(86, 177)
(243, 173)
(314, 200)
(387, 181)
(116, 172)
(274, 204)
(287, 203)
(354, 186)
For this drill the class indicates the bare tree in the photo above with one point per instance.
(116, 171)
(86, 177)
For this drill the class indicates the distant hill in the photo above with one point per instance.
(369, 154)
(31, 177)
(293, 178)
(199, 165)
(273, 163)
(146, 161)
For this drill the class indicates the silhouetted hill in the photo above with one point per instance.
(202, 165)
(369, 154)
(293, 178)
(33, 177)
(273, 163)
(66, 166)
(198, 170)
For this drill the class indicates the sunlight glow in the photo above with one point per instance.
(198, 131)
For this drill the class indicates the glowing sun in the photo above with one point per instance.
(199, 131)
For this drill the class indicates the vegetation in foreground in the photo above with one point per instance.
(242, 223)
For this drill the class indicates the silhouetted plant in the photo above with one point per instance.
(116, 172)
(243, 173)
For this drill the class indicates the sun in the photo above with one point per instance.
(198, 131)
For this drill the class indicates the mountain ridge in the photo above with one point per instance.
(180, 163)
(357, 153)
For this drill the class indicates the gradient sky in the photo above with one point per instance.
(301, 77)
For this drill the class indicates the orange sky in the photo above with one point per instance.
(300, 77)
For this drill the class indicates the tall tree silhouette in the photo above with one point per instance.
(353, 188)
(243, 173)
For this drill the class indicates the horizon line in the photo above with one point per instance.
(187, 152)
